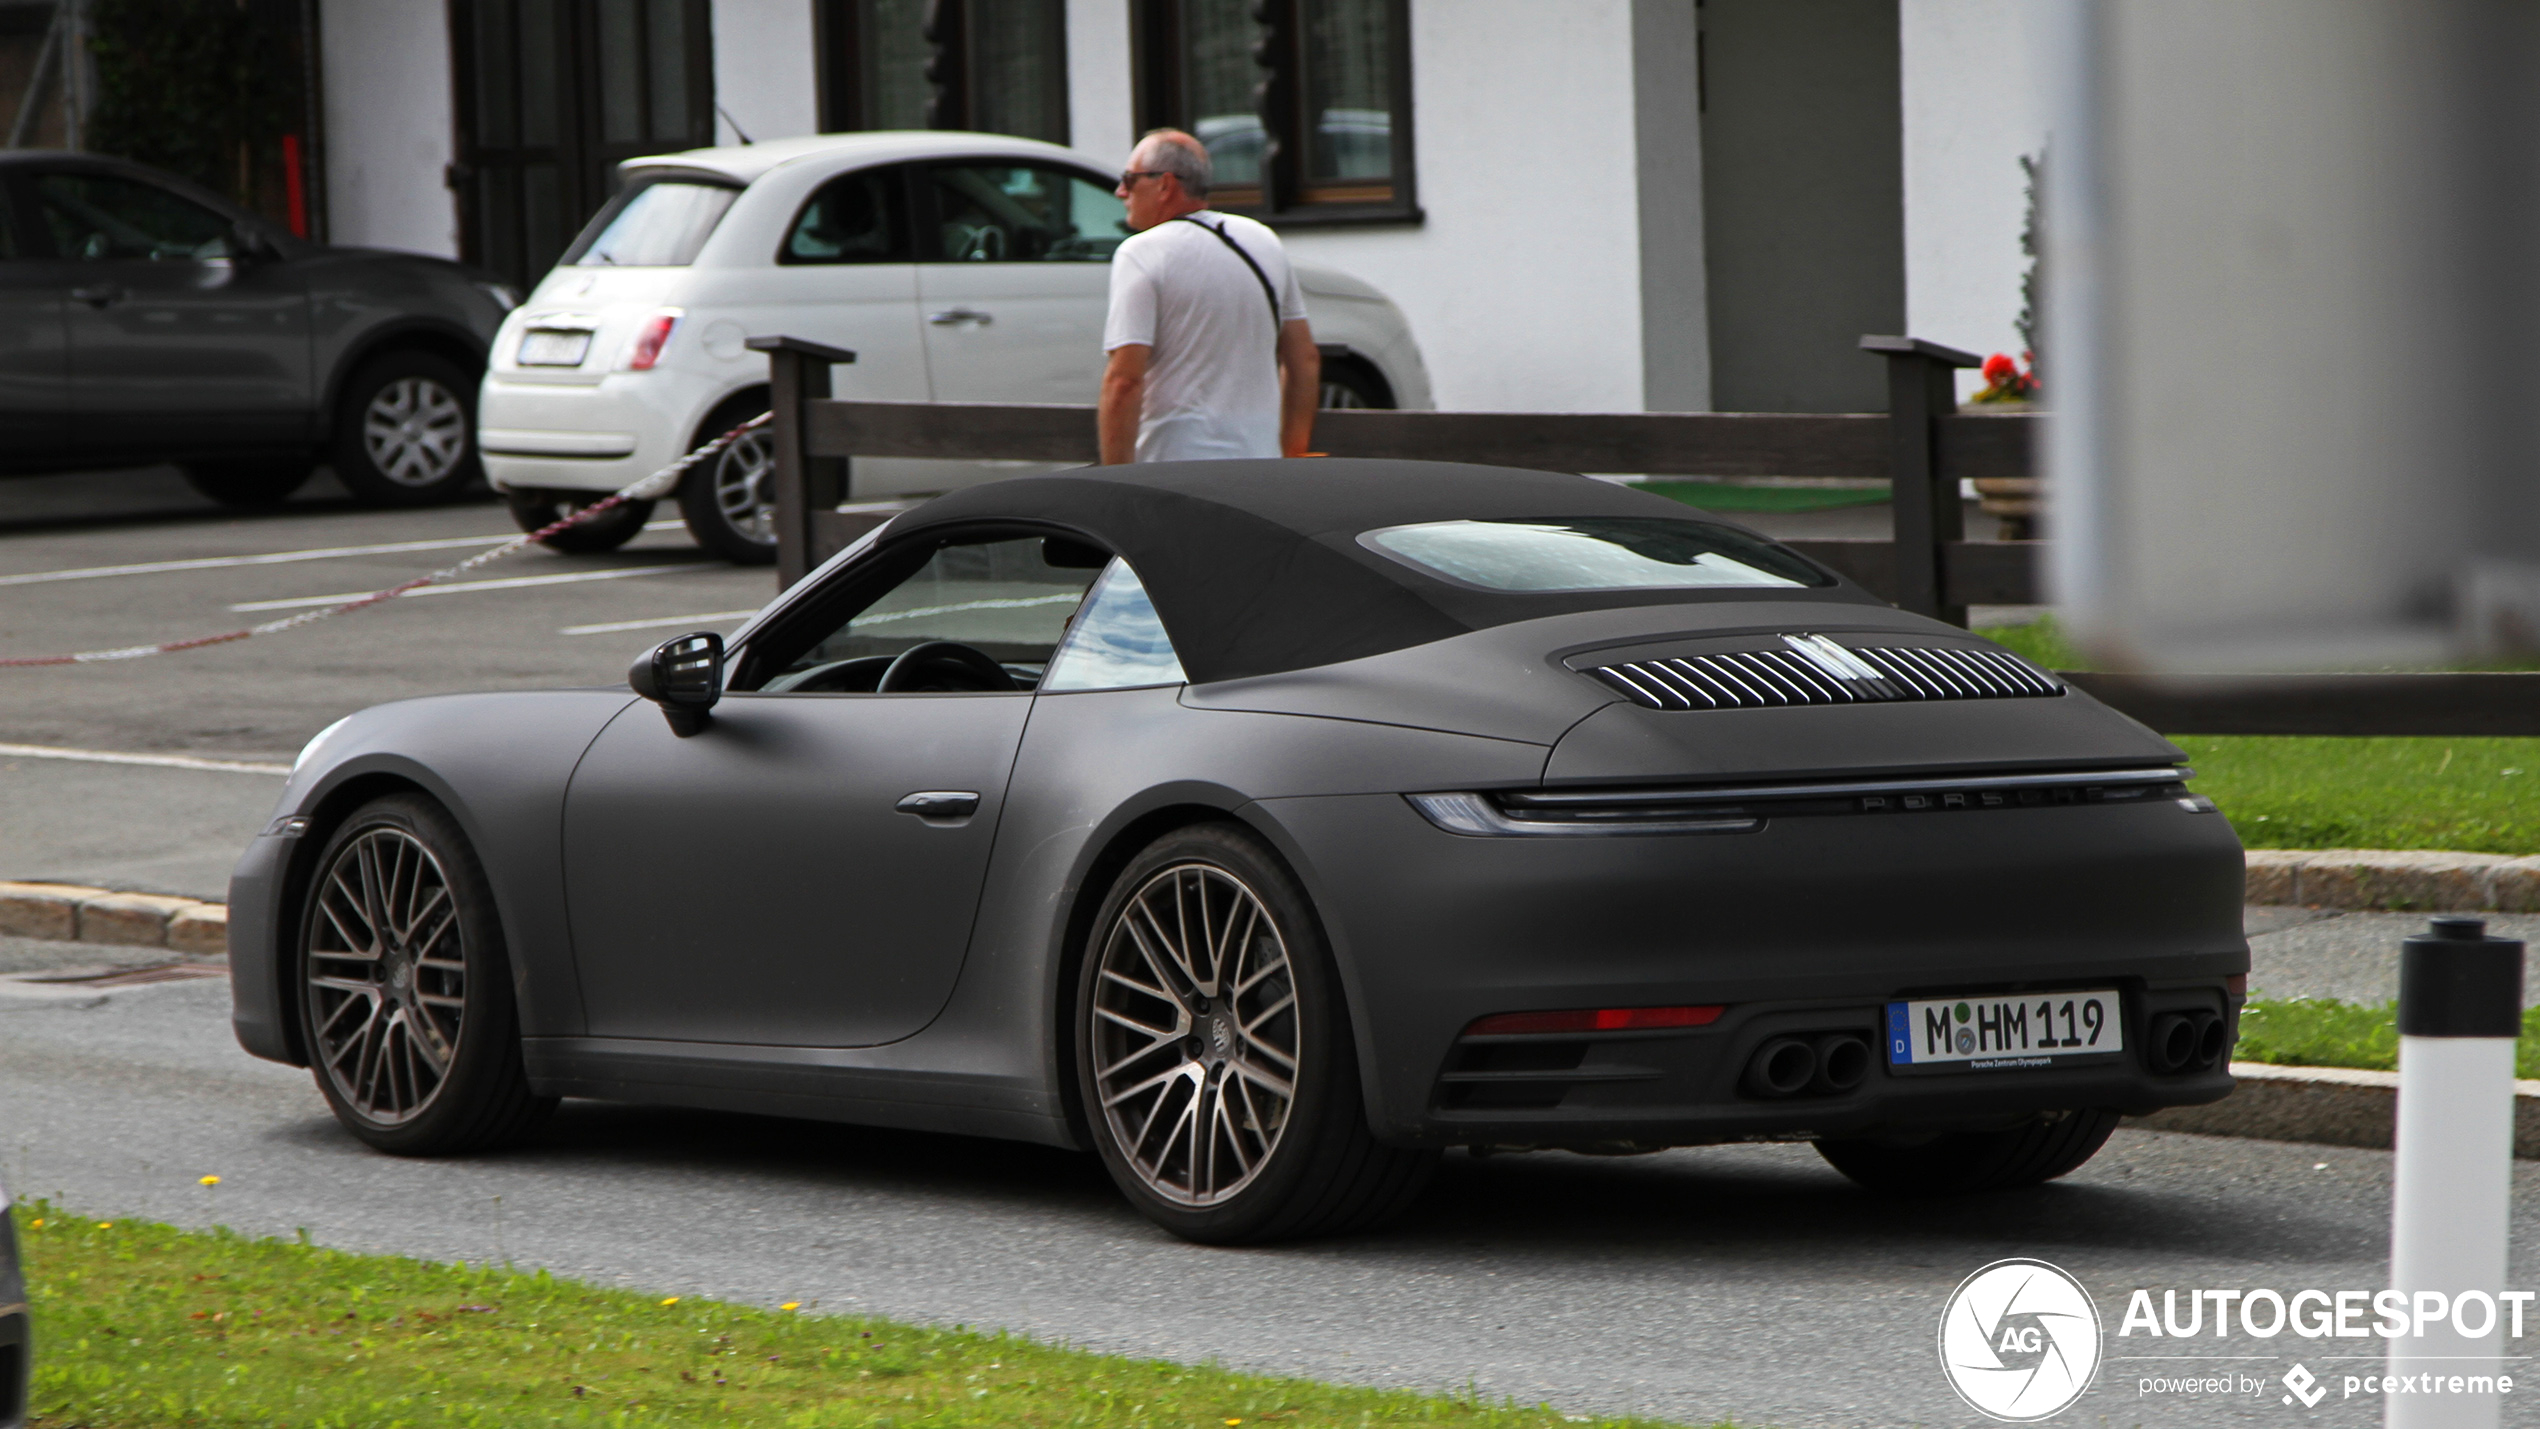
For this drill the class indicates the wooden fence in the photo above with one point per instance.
(1922, 445)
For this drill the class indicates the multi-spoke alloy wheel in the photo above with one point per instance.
(415, 432)
(1195, 1034)
(387, 976)
(406, 1010)
(729, 502)
(1214, 1061)
(741, 486)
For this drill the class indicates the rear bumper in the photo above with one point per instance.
(550, 436)
(1806, 926)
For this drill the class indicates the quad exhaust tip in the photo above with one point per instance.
(2186, 1042)
(1823, 1064)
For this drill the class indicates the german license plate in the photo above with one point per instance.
(554, 347)
(1998, 1033)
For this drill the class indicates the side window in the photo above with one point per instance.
(1009, 600)
(95, 217)
(854, 218)
(1022, 213)
(1116, 642)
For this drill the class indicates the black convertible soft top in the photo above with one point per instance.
(1255, 566)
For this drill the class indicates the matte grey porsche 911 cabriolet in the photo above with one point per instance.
(1267, 827)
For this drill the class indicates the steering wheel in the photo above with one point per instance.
(836, 677)
(943, 665)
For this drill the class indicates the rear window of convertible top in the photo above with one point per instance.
(1592, 553)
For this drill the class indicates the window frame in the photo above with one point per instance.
(1283, 199)
(901, 172)
(925, 215)
(37, 227)
(854, 588)
(844, 106)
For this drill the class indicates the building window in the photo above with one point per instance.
(992, 66)
(1305, 105)
(552, 95)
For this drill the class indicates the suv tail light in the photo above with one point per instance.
(649, 341)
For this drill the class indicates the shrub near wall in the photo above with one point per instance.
(202, 88)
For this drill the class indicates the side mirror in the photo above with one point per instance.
(684, 676)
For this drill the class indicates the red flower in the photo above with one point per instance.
(2000, 370)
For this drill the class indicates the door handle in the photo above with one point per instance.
(952, 316)
(934, 804)
(99, 295)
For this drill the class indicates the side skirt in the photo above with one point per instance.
(815, 1083)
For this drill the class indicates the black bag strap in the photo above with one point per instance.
(1266, 290)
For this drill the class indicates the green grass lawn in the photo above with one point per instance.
(2307, 1032)
(2468, 795)
(144, 1326)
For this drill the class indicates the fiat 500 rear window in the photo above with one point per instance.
(660, 225)
(1591, 553)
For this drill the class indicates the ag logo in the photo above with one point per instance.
(2019, 1340)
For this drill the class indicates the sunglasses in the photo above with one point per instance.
(1129, 178)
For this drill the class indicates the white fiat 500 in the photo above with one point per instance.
(958, 268)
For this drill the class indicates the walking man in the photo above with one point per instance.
(1210, 352)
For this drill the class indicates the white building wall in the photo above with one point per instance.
(1101, 92)
(764, 70)
(1972, 108)
(1523, 287)
(389, 125)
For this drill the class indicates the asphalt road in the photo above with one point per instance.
(1747, 1283)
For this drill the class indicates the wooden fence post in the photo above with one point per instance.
(1922, 388)
(798, 371)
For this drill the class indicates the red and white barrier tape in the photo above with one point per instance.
(653, 487)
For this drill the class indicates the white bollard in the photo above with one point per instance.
(2460, 1006)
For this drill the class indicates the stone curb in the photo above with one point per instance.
(73, 913)
(2325, 1106)
(2401, 881)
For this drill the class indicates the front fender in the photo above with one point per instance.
(499, 763)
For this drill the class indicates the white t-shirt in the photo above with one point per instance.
(1212, 386)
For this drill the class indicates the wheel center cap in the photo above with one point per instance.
(1221, 1037)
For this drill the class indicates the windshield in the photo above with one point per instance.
(661, 225)
(1592, 553)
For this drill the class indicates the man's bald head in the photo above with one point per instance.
(1170, 151)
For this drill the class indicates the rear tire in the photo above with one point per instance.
(404, 988)
(1188, 1113)
(1964, 1162)
(729, 500)
(405, 431)
(250, 484)
(537, 510)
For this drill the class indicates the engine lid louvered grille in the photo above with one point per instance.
(1816, 670)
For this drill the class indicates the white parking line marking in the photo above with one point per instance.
(457, 587)
(614, 626)
(273, 558)
(159, 761)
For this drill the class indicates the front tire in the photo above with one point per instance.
(405, 431)
(405, 992)
(1965, 1162)
(729, 501)
(1214, 1056)
(535, 511)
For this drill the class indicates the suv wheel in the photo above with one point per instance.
(405, 431)
(729, 501)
